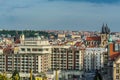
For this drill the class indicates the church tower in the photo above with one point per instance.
(22, 38)
(105, 32)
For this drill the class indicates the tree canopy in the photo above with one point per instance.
(27, 33)
(98, 76)
(3, 77)
(15, 75)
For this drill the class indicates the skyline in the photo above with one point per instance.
(59, 14)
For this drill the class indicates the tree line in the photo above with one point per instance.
(27, 33)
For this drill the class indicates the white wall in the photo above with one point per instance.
(39, 63)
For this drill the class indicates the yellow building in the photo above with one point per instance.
(38, 78)
(77, 36)
(16, 49)
(61, 35)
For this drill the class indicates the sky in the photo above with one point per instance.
(79, 15)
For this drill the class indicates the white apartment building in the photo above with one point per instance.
(93, 58)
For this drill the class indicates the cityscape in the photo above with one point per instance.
(59, 40)
(61, 55)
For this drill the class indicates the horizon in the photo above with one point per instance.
(80, 15)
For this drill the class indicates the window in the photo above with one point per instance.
(117, 65)
(34, 49)
(116, 47)
(22, 49)
(117, 77)
(88, 43)
(40, 49)
(62, 51)
(102, 36)
(28, 49)
(117, 70)
(77, 51)
(77, 56)
(46, 49)
(70, 51)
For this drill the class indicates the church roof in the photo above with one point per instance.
(105, 29)
(93, 38)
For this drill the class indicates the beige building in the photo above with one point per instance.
(61, 35)
(77, 36)
(39, 47)
(116, 69)
(31, 53)
(66, 58)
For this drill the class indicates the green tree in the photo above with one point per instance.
(15, 75)
(3, 77)
(33, 77)
(97, 76)
(43, 75)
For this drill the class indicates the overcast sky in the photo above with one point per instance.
(59, 14)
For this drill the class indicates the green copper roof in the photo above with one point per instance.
(110, 39)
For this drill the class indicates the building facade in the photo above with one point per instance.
(31, 53)
(93, 59)
(116, 69)
(66, 58)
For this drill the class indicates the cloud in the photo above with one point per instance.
(63, 15)
(91, 1)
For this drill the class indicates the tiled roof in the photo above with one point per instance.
(115, 56)
(112, 53)
(118, 41)
(78, 44)
(17, 41)
(8, 49)
(93, 38)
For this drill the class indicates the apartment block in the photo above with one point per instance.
(66, 58)
(31, 53)
(37, 46)
(93, 58)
